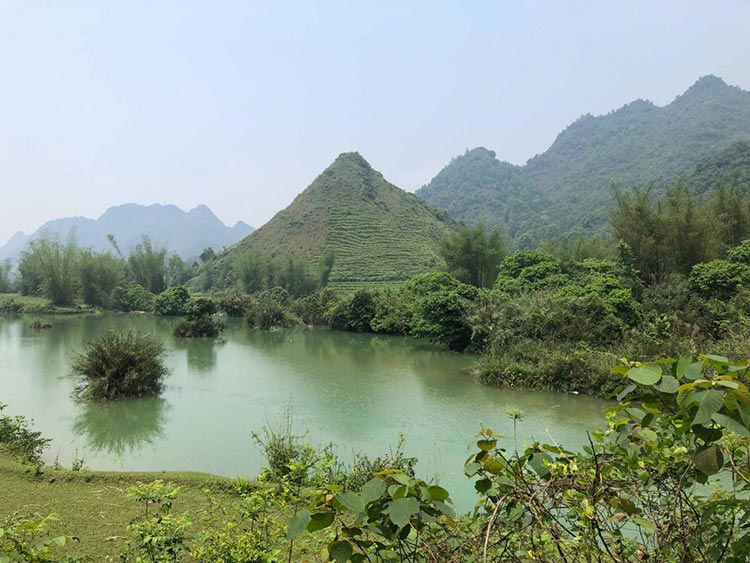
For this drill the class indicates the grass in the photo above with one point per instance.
(92, 506)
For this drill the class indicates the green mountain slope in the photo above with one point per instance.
(377, 232)
(569, 184)
(730, 167)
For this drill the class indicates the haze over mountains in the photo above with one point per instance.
(377, 232)
(184, 233)
(567, 188)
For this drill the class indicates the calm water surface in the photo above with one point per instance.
(357, 391)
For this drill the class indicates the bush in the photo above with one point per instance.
(17, 438)
(200, 321)
(537, 365)
(121, 365)
(171, 302)
(132, 298)
(235, 304)
(268, 311)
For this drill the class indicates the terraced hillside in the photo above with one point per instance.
(378, 233)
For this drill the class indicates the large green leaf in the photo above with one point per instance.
(319, 521)
(298, 525)
(401, 511)
(731, 424)
(649, 374)
(709, 460)
(340, 551)
(372, 490)
(352, 501)
(709, 402)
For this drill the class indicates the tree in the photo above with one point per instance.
(473, 254)
(207, 255)
(98, 275)
(6, 284)
(50, 266)
(148, 266)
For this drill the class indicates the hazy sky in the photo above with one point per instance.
(239, 105)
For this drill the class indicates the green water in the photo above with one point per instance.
(357, 391)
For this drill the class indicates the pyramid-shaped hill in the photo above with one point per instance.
(378, 233)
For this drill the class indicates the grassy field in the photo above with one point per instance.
(92, 505)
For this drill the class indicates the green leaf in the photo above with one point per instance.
(372, 490)
(298, 525)
(470, 469)
(625, 392)
(340, 551)
(643, 523)
(718, 359)
(694, 371)
(486, 445)
(352, 501)
(626, 505)
(731, 424)
(668, 384)
(709, 460)
(401, 510)
(319, 521)
(682, 366)
(438, 493)
(402, 478)
(709, 402)
(645, 375)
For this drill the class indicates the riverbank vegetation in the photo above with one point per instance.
(664, 480)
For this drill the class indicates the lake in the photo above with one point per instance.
(355, 391)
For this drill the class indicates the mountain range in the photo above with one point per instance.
(183, 233)
(567, 189)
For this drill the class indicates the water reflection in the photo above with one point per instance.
(121, 427)
(201, 353)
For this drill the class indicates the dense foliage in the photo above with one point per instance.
(118, 365)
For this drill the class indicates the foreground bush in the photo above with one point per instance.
(17, 437)
(120, 365)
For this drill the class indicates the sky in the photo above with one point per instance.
(240, 105)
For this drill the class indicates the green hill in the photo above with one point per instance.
(568, 186)
(730, 167)
(377, 232)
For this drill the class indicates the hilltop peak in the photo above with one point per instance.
(705, 86)
(351, 159)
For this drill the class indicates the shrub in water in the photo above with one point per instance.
(172, 302)
(121, 365)
(200, 321)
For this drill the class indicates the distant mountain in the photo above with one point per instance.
(184, 233)
(377, 232)
(567, 188)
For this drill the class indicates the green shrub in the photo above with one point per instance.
(235, 304)
(537, 365)
(119, 365)
(267, 312)
(29, 540)
(17, 437)
(171, 302)
(718, 278)
(132, 298)
(200, 321)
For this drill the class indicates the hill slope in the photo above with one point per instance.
(730, 167)
(184, 233)
(377, 232)
(569, 184)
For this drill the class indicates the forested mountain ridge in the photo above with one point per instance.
(569, 184)
(184, 233)
(373, 231)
